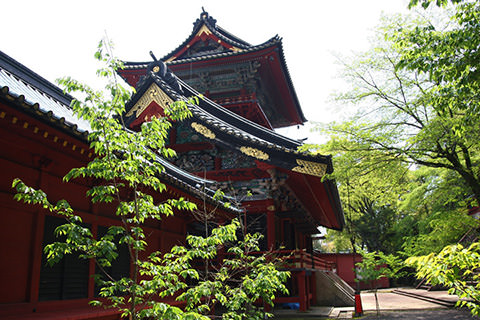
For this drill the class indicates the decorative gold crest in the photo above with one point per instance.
(311, 168)
(252, 152)
(203, 130)
(203, 29)
(154, 93)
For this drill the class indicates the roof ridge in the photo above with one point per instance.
(220, 32)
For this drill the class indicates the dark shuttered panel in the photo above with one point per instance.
(120, 266)
(67, 279)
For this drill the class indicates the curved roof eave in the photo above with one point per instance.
(225, 122)
(290, 83)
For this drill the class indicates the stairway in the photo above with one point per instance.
(333, 290)
(469, 237)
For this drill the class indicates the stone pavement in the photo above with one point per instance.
(389, 300)
(427, 314)
(412, 304)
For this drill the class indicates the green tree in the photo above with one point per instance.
(455, 267)
(413, 107)
(449, 58)
(415, 93)
(375, 226)
(433, 205)
(426, 3)
(126, 173)
(377, 265)
(369, 188)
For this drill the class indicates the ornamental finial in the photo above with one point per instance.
(153, 56)
(204, 18)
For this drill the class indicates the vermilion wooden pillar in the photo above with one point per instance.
(313, 288)
(302, 292)
(91, 265)
(37, 248)
(271, 227)
(308, 288)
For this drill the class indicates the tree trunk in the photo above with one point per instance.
(465, 171)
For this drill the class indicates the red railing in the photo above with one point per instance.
(292, 259)
(302, 259)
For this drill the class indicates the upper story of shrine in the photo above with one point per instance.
(250, 80)
(247, 92)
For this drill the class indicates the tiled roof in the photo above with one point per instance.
(44, 97)
(226, 122)
(48, 102)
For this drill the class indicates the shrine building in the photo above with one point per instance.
(229, 143)
(247, 93)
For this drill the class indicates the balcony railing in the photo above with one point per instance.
(296, 259)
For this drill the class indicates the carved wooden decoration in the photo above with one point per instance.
(311, 168)
(154, 93)
(203, 130)
(252, 152)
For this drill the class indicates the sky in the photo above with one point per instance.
(59, 38)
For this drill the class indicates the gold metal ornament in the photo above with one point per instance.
(154, 93)
(311, 168)
(203, 130)
(203, 29)
(252, 152)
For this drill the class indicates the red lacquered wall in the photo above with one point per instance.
(345, 263)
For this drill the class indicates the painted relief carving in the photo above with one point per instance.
(154, 93)
(185, 134)
(285, 200)
(252, 152)
(205, 81)
(229, 78)
(233, 160)
(311, 168)
(252, 190)
(196, 161)
(203, 130)
(202, 48)
(247, 72)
